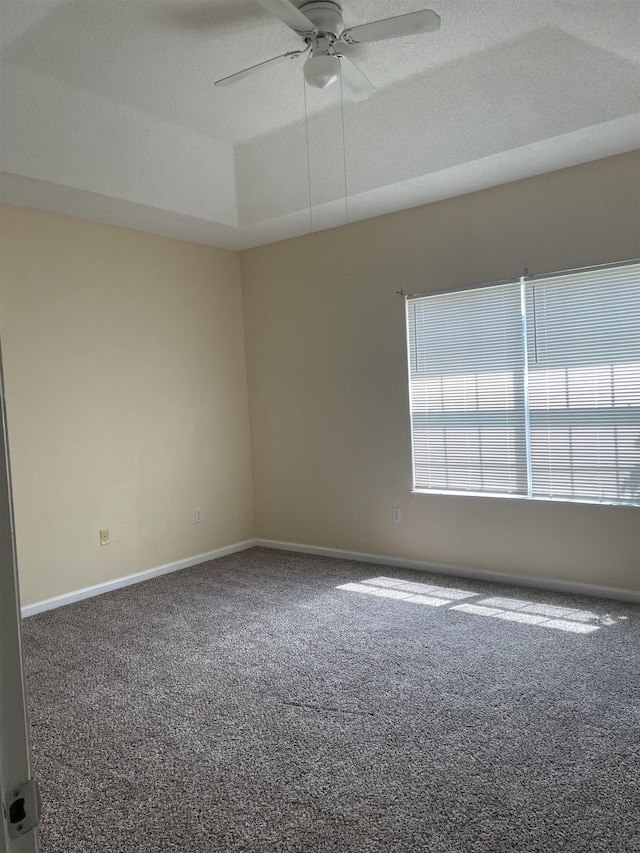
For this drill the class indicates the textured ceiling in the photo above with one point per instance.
(109, 110)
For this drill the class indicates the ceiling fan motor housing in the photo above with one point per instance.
(326, 16)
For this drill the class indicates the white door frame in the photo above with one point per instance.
(15, 756)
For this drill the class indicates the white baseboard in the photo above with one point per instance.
(107, 586)
(576, 587)
(557, 585)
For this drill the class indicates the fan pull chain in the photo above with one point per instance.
(306, 130)
(346, 187)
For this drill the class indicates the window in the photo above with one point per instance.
(529, 388)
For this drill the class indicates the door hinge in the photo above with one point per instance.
(21, 808)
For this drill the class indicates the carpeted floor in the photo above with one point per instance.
(250, 704)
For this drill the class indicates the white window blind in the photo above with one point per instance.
(529, 389)
(584, 384)
(467, 391)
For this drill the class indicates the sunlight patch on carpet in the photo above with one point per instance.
(517, 610)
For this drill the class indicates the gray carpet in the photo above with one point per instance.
(248, 704)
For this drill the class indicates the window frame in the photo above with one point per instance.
(522, 281)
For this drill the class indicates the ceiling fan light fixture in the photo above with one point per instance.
(322, 70)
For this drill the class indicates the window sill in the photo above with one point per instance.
(536, 498)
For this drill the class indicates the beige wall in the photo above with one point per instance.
(126, 396)
(328, 387)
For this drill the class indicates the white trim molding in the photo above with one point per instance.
(556, 585)
(128, 580)
(575, 587)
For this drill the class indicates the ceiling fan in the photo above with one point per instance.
(321, 26)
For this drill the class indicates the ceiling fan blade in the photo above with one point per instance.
(253, 69)
(354, 83)
(290, 15)
(424, 21)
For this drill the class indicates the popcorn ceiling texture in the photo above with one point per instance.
(250, 704)
(115, 100)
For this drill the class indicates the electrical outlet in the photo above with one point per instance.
(396, 515)
(198, 515)
(104, 537)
